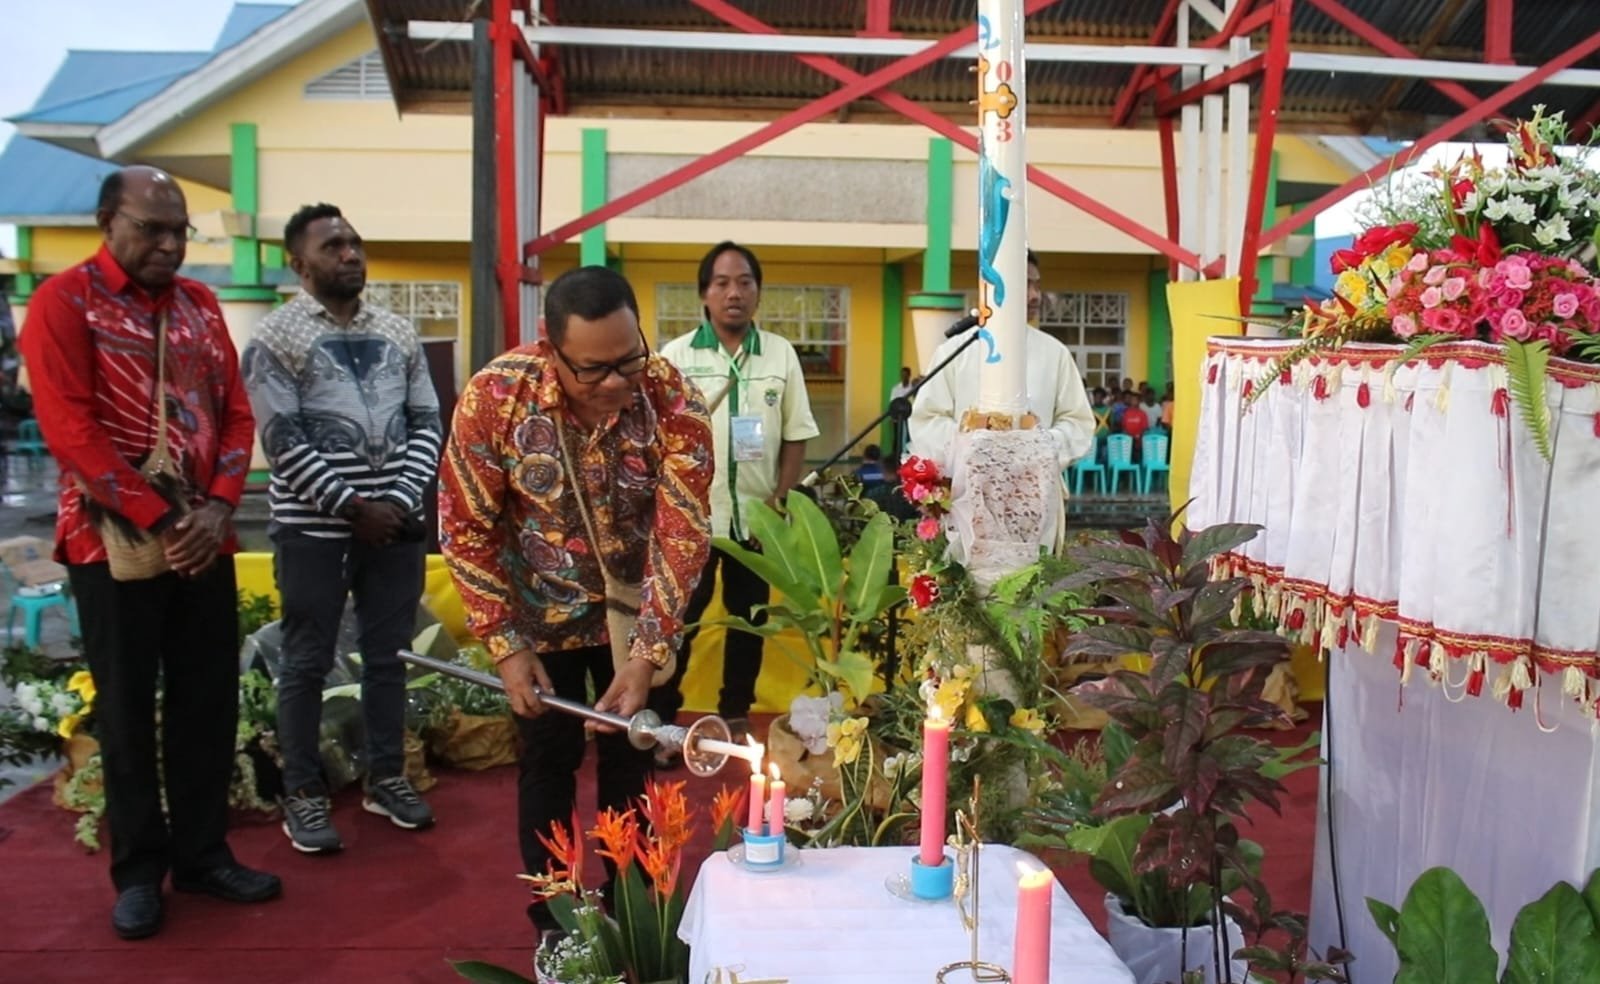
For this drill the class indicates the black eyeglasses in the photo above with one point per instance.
(631, 366)
(155, 232)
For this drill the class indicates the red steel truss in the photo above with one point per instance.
(1160, 86)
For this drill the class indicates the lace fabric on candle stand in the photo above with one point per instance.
(1008, 501)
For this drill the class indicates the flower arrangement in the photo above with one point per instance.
(1499, 254)
(640, 942)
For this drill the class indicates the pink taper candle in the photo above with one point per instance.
(935, 781)
(1031, 962)
(775, 802)
(758, 798)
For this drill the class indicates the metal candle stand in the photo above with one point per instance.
(706, 745)
(969, 852)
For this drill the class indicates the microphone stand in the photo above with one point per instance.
(899, 409)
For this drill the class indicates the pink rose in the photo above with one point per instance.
(1516, 272)
(927, 528)
(1510, 298)
(1591, 310)
(1485, 277)
(1445, 320)
(1454, 287)
(1435, 275)
(1514, 325)
(1418, 262)
(1565, 305)
(1404, 325)
(1431, 297)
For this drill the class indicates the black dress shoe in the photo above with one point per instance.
(137, 913)
(231, 883)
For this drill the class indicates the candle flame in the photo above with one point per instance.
(1028, 875)
(773, 771)
(757, 752)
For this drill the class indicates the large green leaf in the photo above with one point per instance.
(775, 568)
(1553, 941)
(854, 670)
(1527, 366)
(1591, 891)
(1388, 919)
(1214, 540)
(869, 567)
(487, 973)
(1444, 933)
(817, 545)
(1115, 745)
(1112, 860)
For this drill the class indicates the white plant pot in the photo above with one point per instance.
(1157, 956)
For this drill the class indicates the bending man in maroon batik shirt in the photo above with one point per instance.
(516, 543)
(90, 344)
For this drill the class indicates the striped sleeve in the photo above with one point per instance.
(275, 398)
(421, 461)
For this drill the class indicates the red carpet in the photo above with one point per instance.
(393, 906)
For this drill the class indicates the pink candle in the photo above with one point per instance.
(775, 804)
(1030, 963)
(758, 798)
(935, 780)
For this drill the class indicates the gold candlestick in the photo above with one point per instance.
(969, 846)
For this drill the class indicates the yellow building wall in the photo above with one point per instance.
(57, 248)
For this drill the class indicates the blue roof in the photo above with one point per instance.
(37, 178)
(97, 87)
(245, 19)
(1325, 248)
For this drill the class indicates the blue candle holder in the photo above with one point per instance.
(763, 850)
(932, 882)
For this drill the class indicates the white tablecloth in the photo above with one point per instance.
(830, 920)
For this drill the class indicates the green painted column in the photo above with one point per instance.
(592, 247)
(245, 165)
(941, 188)
(894, 326)
(1158, 365)
(272, 256)
(1303, 268)
(1266, 278)
(27, 280)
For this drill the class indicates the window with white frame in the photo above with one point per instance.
(815, 318)
(432, 306)
(361, 79)
(1094, 325)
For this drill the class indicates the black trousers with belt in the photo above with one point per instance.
(742, 590)
(182, 633)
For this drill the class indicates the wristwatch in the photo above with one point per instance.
(348, 511)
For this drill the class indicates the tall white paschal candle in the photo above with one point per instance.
(1002, 218)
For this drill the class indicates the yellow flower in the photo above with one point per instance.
(950, 696)
(82, 684)
(1352, 286)
(1027, 719)
(975, 719)
(69, 725)
(845, 737)
(1397, 257)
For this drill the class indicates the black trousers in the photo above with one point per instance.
(742, 590)
(552, 750)
(184, 634)
(315, 575)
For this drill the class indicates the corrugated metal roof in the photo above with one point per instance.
(244, 20)
(99, 86)
(713, 83)
(37, 178)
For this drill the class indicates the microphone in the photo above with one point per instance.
(970, 321)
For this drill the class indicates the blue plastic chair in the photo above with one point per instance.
(1087, 465)
(1119, 459)
(30, 443)
(1154, 449)
(33, 601)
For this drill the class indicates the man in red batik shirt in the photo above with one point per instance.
(90, 343)
(517, 545)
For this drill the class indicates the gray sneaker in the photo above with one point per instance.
(306, 821)
(395, 798)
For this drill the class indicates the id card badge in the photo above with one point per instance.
(749, 442)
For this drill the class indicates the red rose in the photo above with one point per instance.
(919, 471)
(1345, 259)
(1376, 240)
(924, 590)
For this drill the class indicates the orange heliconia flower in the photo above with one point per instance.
(727, 804)
(661, 862)
(617, 834)
(566, 849)
(666, 813)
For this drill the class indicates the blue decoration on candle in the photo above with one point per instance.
(932, 882)
(763, 850)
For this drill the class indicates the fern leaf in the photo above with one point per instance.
(1527, 364)
(1584, 346)
(1421, 343)
(1312, 345)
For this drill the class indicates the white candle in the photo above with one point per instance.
(1002, 220)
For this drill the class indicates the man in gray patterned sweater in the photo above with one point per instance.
(350, 425)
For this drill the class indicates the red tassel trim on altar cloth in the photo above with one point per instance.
(1410, 399)
(1514, 699)
(1363, 396)
(1286, 378)
(1319, 387)
(1211, 375)
(1597, 425)
(1249, 387)
(1500, 403)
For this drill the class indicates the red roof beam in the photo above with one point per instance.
(921, 114)
(1474, 114)
(865, 86)
(1277, 65)
(1130, 92)
(1169, 180)
(1242, 72)
(1497, 34)
(1342, 16)
(1250, 24)
(878, 20)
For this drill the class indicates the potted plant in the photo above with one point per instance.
(1180, 775)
